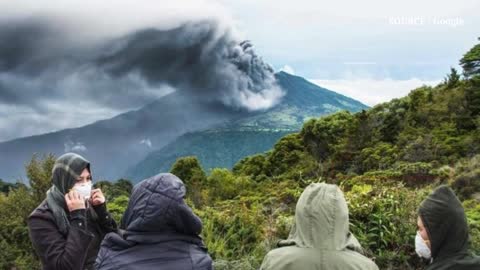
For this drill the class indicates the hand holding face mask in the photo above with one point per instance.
(74, 201)
(97, 197)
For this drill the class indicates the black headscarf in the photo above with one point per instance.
(66, 170)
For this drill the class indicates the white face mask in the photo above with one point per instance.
(421, 247)
(84, 189)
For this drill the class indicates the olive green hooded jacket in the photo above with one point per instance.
(446, 224)
(320, 238)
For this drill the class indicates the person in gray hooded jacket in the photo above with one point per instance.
(320, 237)
(158, 231)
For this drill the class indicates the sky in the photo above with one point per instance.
(370, 50)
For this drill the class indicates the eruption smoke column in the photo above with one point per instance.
(200, 59)
(51, 67)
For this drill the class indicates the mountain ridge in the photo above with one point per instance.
(127, 139)
(224, 145)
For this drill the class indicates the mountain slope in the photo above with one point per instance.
(226, 144)
(115, 145)
(215, 148)
(303, 100)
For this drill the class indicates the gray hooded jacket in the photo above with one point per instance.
(320, 238)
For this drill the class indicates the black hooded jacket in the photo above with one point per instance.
(159, 231)
(444, 219)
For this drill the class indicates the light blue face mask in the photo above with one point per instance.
(421, 247)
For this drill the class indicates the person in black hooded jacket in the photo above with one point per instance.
(158, 231)
(66, 229)
(443, 237)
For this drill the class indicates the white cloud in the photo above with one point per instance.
(288, 69)
(71, 146)
(21, 121)
(111, 18)
(337, 35)
(312, 12)
(373, 91)
(146, 142)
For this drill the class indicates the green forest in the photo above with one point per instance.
(386, 160)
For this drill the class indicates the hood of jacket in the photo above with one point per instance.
(321, 220)
(445, 221)
(157, 205)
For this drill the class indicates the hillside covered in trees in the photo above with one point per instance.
(386, 160)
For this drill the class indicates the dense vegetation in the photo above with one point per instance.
(221, 146)
(214, 148)
(386, 160)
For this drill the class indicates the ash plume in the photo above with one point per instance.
(51, 68)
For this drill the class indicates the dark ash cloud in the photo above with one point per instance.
(198, 58)
(47, 70)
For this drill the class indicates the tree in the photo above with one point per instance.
(419, 98)
(379, 157)
(6, 187)
(470, 62)
(39, 173)
(286, 153)
(452, 79)
(419, 150)
(320, 136)
(121, 187)
(124, 185)
(223, 184)
(467, 177)
(117, 207)
(359, 134)
(472, 96)
(254, 166)
(190, 171)
(16, 249)
(392, 119)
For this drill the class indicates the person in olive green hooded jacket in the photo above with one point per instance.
(320, 237)
(443, 237)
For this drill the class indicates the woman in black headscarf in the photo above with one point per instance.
(67, 228)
